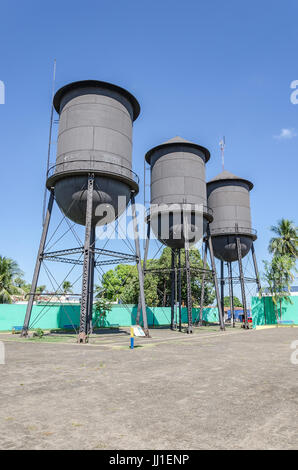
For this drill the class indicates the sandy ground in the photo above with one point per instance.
(209, 390)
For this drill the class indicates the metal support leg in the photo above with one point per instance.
(176, 290)
(139, 264)
(256, 267)
(188, 285)
(238, 243)
(144, 268)
(258, 277)
(203, 285)
(230, 276)
(83, 332)
(172, 287)
(187, 269)
(222, 288)
(179, 289)
(139, 310)
(91, 281)
(220, 314)
(37, 265)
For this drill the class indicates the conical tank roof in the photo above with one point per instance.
(228, 176)
(179, 141)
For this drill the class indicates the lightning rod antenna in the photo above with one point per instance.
(50, 140)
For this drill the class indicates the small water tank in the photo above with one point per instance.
(95, 136)
(178, 187)
(228, 197)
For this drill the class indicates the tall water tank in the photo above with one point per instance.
(95, 136)
(177, 181)
(228, 197)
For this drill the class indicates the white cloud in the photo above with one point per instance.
(286, 134)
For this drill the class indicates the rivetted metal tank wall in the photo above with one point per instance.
(229, 199)
(177, 178)
(95, 135)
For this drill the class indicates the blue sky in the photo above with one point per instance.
(199, 69)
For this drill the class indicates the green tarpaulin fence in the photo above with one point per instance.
(263, 312)
(60, 315)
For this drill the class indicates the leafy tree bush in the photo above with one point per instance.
(122, 282)
(102, 307)
(237, 302)
(279, 277)
(38, 332)
(279, 271)
(9, 269)
(67, 287)
(286, 240)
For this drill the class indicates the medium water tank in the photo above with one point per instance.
(95, 136)
(228, 197)
(178, 186)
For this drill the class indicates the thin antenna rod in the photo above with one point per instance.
(222, 145)
(50, 140)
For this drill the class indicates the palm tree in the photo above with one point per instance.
(66, 286)
(9, 269)
(19, 282)
(286, 240)
(279, 277)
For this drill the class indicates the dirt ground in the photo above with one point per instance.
(209, 390)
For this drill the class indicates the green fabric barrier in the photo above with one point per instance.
(55, 316)
(263, 311)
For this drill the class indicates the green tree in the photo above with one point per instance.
(122, 282)
(102, 307)
(19, 282)
(9, 269)
(164, 285)
(67, 287)
(279, 276)
(286, 240)
(27, 288)
(279, 271)
(237, 302)
(41, 289)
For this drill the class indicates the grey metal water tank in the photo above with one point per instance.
(95, 136)
(228, 197)
(177, 179)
